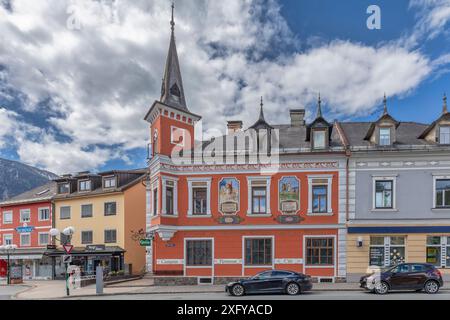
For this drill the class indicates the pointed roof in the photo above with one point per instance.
(319, 116)
(384, 116)
(444, 116)
(261, 123)
(172, 91)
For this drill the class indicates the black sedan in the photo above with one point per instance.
(274, 281)
(405, 276)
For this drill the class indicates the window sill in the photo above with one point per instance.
(318, 214)
(259, 215)
(250, 266)
(384, 210)
(199, 215)
(319, 266)
(440, 209)
(169, 216)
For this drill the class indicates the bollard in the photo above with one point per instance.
(99, 279)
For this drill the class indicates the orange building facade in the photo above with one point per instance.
(267, 197)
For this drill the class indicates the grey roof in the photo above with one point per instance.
(407, 133)
(42, 193)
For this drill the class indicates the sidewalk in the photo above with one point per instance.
(56, 289)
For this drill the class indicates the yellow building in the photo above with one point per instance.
(105, 209)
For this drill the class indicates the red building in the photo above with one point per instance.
(268, 197)
(26, 221)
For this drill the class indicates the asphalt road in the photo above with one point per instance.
(6, 292)
(315, 295)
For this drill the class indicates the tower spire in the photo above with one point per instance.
(261, 111)
(385, 110)
(444, 107)
(319, 107)
(172, 92)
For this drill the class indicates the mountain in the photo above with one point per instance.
(16, 178)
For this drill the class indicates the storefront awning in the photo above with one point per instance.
(22, 257)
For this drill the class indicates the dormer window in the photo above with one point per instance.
(84, 185)
(63, 188)
(444, 135)
(319, 139)
(385, 136)
(109, 182)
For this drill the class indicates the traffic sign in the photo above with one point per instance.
(145, 242)
(67, 259)
(68, 248)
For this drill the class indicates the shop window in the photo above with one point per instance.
(258, 252)
(7, 217)
(376, 251)
(86, 237)
(198, 252)
(25, 215)
(442, 195)
(110, 236)
(110, 208)
(43, 238)
(64, 213)
(44, 214)
(319, 251)
(447, 251)
(86, 210)
(397, 250)
(25, 240)
(434, 250)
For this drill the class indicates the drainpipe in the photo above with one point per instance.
(347, 183)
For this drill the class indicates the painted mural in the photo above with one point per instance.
(289, 195)
(229, 196)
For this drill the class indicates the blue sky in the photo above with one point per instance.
(77, 76)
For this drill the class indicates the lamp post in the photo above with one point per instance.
(8, 248)
(68, 232)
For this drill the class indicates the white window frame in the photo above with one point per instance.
(207, 181)
(244, 266)
(109, 178)
(7, 236)
(39, 238)
(25, 211)
(12, 217)
(182, 144)
(390, 136)
(174, 180)
(321, 131)
(329, 179)
(440, 133)
(39, 213)
(250, 181)
(21, 242)
(392, 178)
(85, 180)
(443, 246)
(435, 178)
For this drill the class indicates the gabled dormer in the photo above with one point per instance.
(263, 131)
(66, 184)
(439, 131)
(87, 181)
(383, 132)
(318, 133)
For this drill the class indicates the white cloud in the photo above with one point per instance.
(103, 78)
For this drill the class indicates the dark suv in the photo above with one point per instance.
(405, 276)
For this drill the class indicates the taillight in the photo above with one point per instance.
(437, 272)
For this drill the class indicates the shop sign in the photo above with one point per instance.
(145, 242)
(96, 247)
(25, 229)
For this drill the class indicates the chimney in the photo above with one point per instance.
(297, 117)
(234, 126)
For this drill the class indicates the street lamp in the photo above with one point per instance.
(68, 232)
(8, 248)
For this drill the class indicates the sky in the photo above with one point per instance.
(78, 76)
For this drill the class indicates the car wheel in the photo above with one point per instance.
(292, 289)
(431, 287)
(238, 290)
(382, 288)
